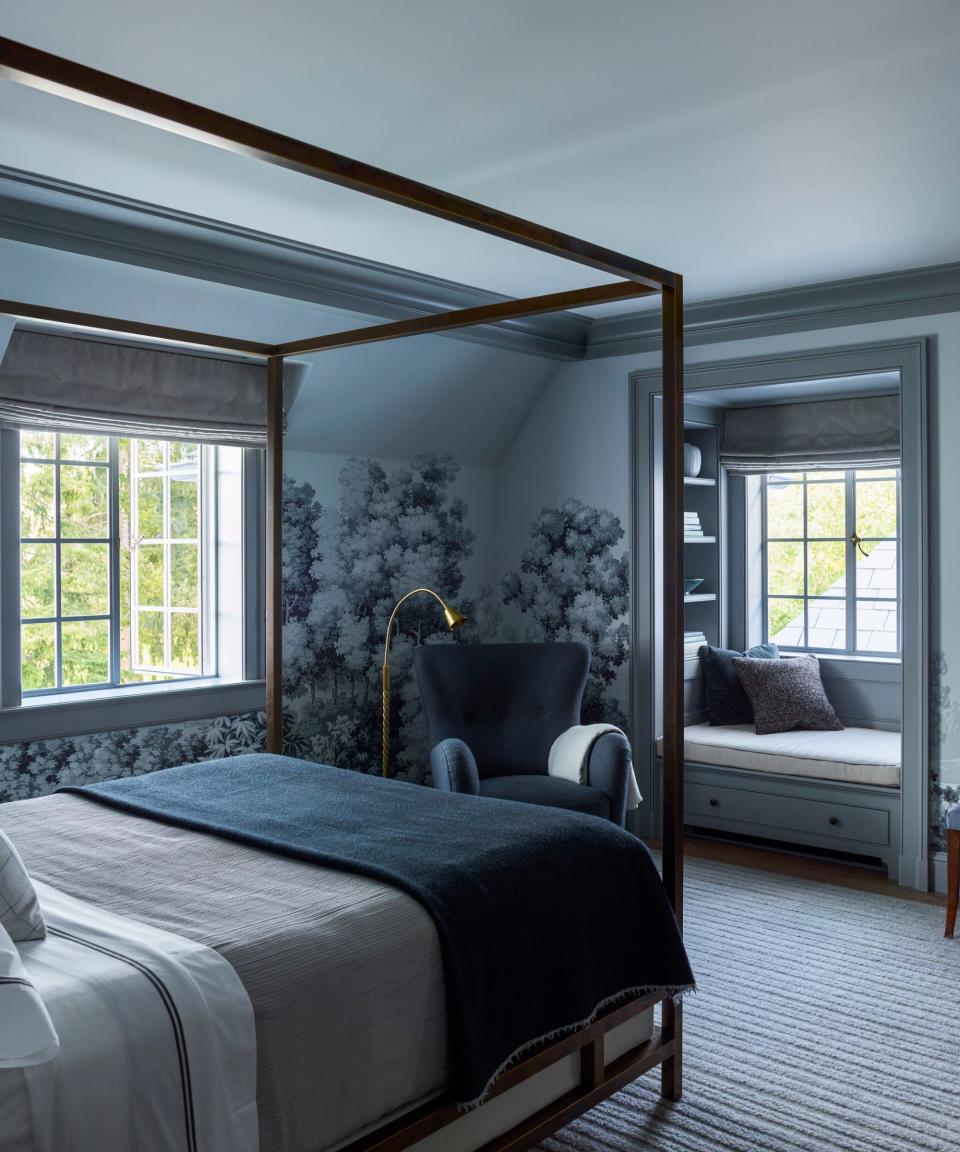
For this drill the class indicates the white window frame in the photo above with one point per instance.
(849, 599)
(233, 679)
(207, 558)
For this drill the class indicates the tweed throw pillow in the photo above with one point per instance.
(787, 694)
(19, 909)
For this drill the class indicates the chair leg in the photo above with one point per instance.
(953, 878)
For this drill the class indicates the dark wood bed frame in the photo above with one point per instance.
(56, 75)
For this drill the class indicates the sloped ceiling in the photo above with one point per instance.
(398, 399)
(750, 145)
(391, 400)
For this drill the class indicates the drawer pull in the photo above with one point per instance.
(834, 819)
(714, 802)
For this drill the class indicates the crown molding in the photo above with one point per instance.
(53, 213)
(839, 303)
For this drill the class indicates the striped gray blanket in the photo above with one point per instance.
(344, 972)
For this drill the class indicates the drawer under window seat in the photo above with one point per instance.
(838, 791)
(853, 756)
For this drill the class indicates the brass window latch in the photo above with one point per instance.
(857, 542)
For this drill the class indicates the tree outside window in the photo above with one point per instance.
(111, 559)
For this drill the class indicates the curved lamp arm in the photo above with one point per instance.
(453, 619)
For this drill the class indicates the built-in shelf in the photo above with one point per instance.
(699, 597)
(699, 539)
(699, 481)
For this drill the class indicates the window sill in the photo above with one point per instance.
(53, 717)
(849, 658)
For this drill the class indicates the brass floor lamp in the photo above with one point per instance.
(453, 619)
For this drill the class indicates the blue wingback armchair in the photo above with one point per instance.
(494, 710)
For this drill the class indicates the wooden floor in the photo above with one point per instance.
(823, 870)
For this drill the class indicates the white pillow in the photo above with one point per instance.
(27, 1036)
(19, 908)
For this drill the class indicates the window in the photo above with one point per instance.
(831, 556)
(113, 588)
(128, 567)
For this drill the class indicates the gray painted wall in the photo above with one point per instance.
(603, 384)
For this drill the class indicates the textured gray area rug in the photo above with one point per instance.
(827, 1020)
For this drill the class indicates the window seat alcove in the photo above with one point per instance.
(835, 791)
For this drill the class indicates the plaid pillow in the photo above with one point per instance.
(19, 909)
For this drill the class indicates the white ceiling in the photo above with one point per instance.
(749, 144)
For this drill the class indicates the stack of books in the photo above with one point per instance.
(692, 643)
(692, 525)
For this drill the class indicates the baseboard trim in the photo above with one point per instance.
(938, 872)
(914, 873)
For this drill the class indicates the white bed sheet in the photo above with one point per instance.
(157, 1042)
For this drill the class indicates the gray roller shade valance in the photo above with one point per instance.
(857, 432)
(51, 382)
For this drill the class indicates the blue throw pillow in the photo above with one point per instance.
(727, 703)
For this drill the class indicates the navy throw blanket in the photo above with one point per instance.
(544, 916)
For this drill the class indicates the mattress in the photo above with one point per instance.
(344, 973)
(853, 756)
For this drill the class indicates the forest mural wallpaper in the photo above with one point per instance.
(944, 773)
(42, 766)
(349, 554)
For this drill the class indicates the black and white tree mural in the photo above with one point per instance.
(388, 533)
(575, 587)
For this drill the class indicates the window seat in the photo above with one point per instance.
(853, 756)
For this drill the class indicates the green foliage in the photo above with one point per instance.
(84, 652)
(168, 495)
(37, 580)
(780, 613)
(38, 515)
(38, 656)
(84, 496)
(877, 508)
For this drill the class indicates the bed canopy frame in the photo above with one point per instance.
(635, 278)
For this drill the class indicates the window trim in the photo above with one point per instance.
(134, 706)
(72, 713)
(850, 597)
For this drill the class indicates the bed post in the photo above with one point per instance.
(672, 328)
(274, 558)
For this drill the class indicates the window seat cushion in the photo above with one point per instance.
(853, 755)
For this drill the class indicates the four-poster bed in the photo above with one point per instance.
(598, 1077)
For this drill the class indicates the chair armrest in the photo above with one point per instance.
(607, 769)
(454, 768)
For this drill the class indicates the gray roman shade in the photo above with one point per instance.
(857, 432)
(52, 382)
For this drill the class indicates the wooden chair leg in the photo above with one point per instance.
(953, 878)
(671, 1071)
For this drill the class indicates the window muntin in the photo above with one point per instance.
(166, 558)
(112, 547)
(831, 560)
